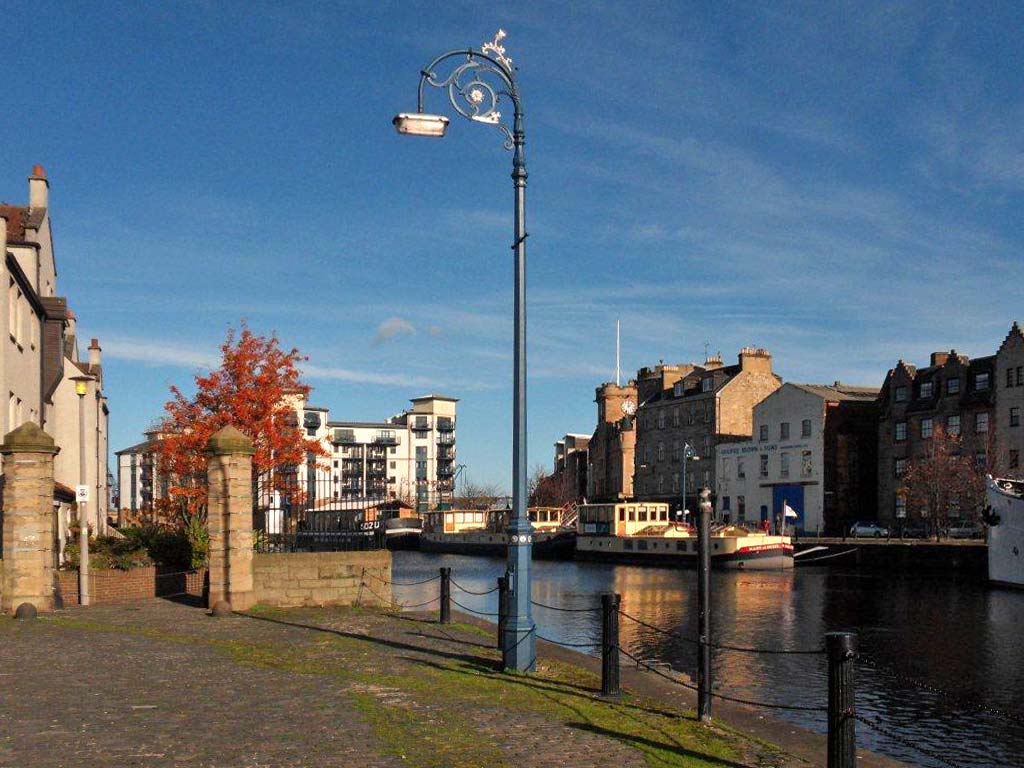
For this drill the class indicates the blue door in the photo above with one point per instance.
(792, 495)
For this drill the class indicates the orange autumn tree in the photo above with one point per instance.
(250, 391)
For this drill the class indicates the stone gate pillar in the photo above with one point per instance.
(28, 519)
(229, 517)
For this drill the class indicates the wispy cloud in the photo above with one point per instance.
(392, 328)
(158, 352)
(367, 377)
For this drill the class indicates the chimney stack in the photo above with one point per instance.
(939, 358)
(95, 354)
(38, 188)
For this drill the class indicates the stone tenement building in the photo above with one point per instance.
(814, 449)
(611, 447)
(39, 358)
(1009, 411)
(571, 458)
(702, 406)
(953, 392)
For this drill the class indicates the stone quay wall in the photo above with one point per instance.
(292, 579)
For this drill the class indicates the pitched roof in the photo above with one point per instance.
(19, 218)
(840, 391)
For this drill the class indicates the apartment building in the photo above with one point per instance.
(701, 406)
(410, 456)
(42, 375)
(955, 392)
(813, 449)
(139, 482)
(610, 450)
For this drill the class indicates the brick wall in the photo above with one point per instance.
(292, 579)
(113, 586)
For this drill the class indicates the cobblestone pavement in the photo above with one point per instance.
(160, 684)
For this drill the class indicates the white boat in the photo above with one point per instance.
(1005, 518)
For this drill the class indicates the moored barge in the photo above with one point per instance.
(482, 532)
(643, 533)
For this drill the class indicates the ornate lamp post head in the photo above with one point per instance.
(474, 88)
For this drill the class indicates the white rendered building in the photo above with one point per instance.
(410, 456)
(811, 451)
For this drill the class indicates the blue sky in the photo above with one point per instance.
(840, 184)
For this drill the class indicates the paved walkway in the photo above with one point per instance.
(162, 684)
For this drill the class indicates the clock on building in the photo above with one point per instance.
(628, 407)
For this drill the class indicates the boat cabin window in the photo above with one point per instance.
(460, 517)
(642, 514)
(622, 514)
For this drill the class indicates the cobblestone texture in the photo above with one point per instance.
(159, 683)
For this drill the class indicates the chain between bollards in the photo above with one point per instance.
(841, 648)
(610, 644)
(446, 596)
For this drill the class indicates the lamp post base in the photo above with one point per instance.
(519, 649)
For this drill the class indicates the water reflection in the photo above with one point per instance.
(950, 634)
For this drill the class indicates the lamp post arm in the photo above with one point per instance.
(470, 90)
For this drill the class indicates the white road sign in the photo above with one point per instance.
(82, 493)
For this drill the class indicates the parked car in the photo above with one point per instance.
(916, 531)
(868, 529)
(965, 530)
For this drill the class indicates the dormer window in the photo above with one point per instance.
(927, 390)
(707, 384)
(900, 394)
(952, 386)
(677, 389)
(981, 382)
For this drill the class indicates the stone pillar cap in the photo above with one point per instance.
(228, 440)
(28, 438)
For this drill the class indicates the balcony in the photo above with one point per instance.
(343, 437)
(445, 424)
(446, 439)
(421, 424)
(445, 471)
(387, 438)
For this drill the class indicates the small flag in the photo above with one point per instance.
(789, 511)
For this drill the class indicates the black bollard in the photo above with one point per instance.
(502, 610)
(446, 596)
(841, 648)
(704, 608)
(610, 644)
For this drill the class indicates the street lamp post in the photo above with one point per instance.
(688, 453)
(475, 86)
(81, 388)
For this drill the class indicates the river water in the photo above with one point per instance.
(939, 654)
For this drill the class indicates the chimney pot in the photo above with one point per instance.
(38, 172)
